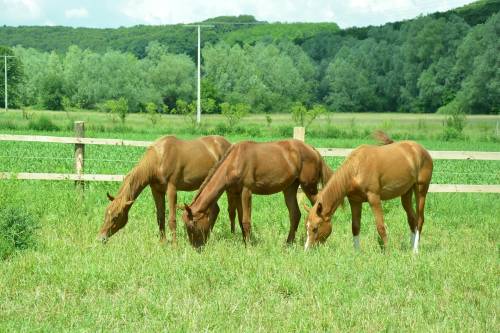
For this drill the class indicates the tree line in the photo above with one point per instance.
(445, 62)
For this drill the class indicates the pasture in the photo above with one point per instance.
(71, 282)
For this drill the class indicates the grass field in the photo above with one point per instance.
(68, 282)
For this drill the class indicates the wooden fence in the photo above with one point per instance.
(299, 133)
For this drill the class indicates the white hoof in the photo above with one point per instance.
(355, 242)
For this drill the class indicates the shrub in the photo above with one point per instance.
(152, 111)
(455, 121)
(188, 110)
(42, 123)
(17, 230)
(234, 113)
(304, 117)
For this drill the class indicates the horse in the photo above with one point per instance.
(169, 165)
(372, 174)
(256, 168)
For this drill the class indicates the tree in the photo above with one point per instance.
(52, 84)
(171, 75)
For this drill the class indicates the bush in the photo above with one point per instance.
(42, 123)
(234, 113)
(304, 117)
(118, 107)
(17, 230)
(455, 121)
(152, 111)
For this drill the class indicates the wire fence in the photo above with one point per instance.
(299, 133)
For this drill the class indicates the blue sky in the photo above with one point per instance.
(115, 13)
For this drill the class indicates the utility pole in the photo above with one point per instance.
(6, 98)
(198, 89)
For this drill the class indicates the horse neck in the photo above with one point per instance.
(337, 187)
(210, 191)
(135, 182)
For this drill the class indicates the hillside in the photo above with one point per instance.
(180, 39)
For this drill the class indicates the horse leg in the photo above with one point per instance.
(293, 210)
(410, 214)
(420, 195)
(246, 204)
(159, 198)
(214, 212)
(356, 222)
(172, 203)
(231, 208)
(376, 205)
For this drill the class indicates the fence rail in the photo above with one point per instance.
(438, 188)
(79, 141)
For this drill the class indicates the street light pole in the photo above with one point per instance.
(6, 98)
(198, 99)
(198, 89)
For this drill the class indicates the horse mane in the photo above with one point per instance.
(339, 182)
(382, 137)
(212, 171)
(135, 181)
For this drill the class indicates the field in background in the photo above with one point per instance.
(70, 282)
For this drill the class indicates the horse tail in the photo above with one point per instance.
(382, 137)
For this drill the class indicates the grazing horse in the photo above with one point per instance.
(169, 165)
(373, 174)
(257, 168)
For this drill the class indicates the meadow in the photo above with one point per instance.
(69, 282)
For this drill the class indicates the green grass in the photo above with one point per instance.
(69, 282)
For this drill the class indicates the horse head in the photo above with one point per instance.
(318, 225)
(197, 225)
(115, 217)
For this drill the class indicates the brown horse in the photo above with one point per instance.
(373, 174)
(169, 165)
(257, 168)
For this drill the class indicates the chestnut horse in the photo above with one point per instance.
(257, 168)
(373, 174)
(169, 165)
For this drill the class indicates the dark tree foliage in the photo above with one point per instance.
(445, 61)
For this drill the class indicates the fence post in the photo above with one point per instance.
(79, 152)
(299, 133)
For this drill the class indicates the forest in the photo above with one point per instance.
(444, 62)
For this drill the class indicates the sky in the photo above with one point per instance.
(116, 13)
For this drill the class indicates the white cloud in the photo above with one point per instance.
(20, 9)
(345, 13)
(76, 13)
(188, 11)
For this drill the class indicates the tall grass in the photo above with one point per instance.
(133, 283)
(69, 282)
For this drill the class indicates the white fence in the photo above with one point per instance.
(80, 141)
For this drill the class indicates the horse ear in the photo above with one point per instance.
(319, 208)
(189, 211)
(110, 197)
(306, 208)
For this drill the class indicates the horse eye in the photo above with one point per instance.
(315, 229)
